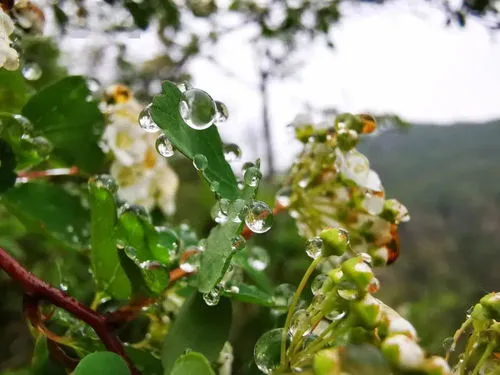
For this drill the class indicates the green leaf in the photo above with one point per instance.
(260, 278)
(63, 114)
(192, 363)
(102, 363)
(13, 90)
(50, 210)
(198, 327)
(105, 261)
(216, 258)
(148, 275)
(249, 294)
(191, 142)
(7, 166)
(141, 12)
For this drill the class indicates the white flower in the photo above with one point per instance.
(9, 58)
(226, 358)
(403, 352)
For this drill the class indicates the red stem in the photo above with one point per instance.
(40, 290)
(31, 175)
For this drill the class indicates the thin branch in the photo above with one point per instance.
(31, 175)
(38, 290)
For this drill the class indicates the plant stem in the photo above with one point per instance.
(37, 290)
(484, 357)
(293, 305)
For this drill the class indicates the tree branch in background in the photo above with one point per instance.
(37, 290)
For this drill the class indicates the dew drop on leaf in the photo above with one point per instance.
(335, 315)
(31, 71)
(237, 210)
(164, 146)
(301, 323)
(267, 351)
(259, 217)
(104, 181)
(314, 247)
(212, 298)
(222, 112)
(184, 86)
(258, 258)
(219, 211)
(252, 176)
(200, 162)
(238, 243)
(146, 121)
(232, 152)
(197, 109)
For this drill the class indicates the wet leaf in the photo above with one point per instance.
(192, 363)
(102, 363)
(249, 294)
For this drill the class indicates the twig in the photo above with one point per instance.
(31, 175)
(38, 290)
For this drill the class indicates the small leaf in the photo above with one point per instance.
(191, 142)
(107, 268)
(7, 165)
(192, 363)
(249, 294)
(13, 90)
(63, 114)
(141, 12)
(148, 275)
(198, 327)
(50, 210)
(102, 363)
(145, 362)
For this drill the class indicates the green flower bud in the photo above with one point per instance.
(359, 272)
(492, 303)
(436, 366)
(368, 311)
(393, 323)
(336, 275)
(347, 139)
(335, 241)
(327, 362)
(403, 352)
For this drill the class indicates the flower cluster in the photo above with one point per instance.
(9, 58)
(144, 177)
(332, 185)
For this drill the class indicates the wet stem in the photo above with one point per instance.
(484, 357)
(292, 307)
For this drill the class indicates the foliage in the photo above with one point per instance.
(158, 296)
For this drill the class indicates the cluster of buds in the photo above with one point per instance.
(332, 185)
(344, 316)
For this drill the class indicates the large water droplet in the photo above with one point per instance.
(259, 217)
(31, 71)
(146, 121)
(314, 247)
(222, 112)
(104, 181)
(284, 196)
(220, 211)
(301, 323)
(267, 351)
(348, 293)
(197, 109)
(317, 284)
(237, 210)
(449, 344)
(200, 162)
(212, 298)
(232, 152)
(43, 146)
(24, 122)
(164, 147)
(252, 176)
(258, 258)
(335, 315)
(238, 243)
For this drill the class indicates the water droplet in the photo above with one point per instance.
(238, 243)
(317, 284)
(150, 265)
(191, 264)
(232, 152)
(252, 176)
(31, 71)
(284, 196)
(222, 112)
(449, 344)
(349, 294)
(247, 165)
(212, 298)
(24, 122)
(43, 146)
(367, 258)
(94, 85)
(215, 186)
(314, 247)
(200, 162)
(164, 147)
(219, 211)
(335, 315)
(283, 295)
(146, 121)
(267, 351)
(237, 210)
(63, 287)
(184, 86)
(104, 181)
(202, 244)
(259, 217)
(197, 109)
(301, 323)
(258, 258)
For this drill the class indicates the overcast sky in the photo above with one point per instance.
(396, 58)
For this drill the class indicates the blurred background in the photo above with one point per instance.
(429, 69)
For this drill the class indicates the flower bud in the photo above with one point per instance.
(403, 352)
(368, 311)
(358, 271)
(492, 303)
(335, 241)
(436, 366)
(327, 362)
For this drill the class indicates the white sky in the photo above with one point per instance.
(394, 58)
